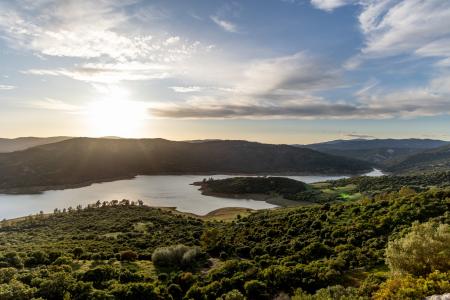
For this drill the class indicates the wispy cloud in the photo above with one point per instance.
(354, 135)
(96, 32)
(186, 89)
(54, 104)
(108, 73)
(225, 25)
(6, 87)
(330, 5)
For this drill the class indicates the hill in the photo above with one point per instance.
(433, 160)
(121, 250)
(276, 190)
(22, 143)
(83, 160)
(382, 152)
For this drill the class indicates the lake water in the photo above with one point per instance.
(166, 191)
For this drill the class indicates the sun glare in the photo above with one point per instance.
(121, 118)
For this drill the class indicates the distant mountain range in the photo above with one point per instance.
(436, 159)
(83, 160)
(383, 153)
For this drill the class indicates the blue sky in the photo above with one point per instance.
(281, 71)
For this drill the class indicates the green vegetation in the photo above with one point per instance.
(254, 187)
(376, 185)
(279, 190)
(423, 250)
(429, 161)
(121, 250)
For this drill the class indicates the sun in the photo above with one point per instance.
(115, 117)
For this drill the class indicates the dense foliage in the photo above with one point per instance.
(391, 183)
(287, 188)
(121, 250)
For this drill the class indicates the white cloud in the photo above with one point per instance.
(330, 5)
(225, 25)
(406, 27)
(186, 89)
(6, 87)
(299, 72)
(98, 32)
(108, 73)
(54, 104)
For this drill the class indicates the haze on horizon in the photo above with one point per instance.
(286, 71)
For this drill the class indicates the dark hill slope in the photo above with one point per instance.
(22, 143)
(382, 152)
(82, 160)
(432, 160)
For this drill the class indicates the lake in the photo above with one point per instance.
(167, 191)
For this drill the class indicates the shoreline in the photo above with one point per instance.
(271, 199)
(33, 190)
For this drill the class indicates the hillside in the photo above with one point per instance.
(382, 152)
(275, 190)
(83, 160)
(121, 250)
(433, 160)
(22, 143)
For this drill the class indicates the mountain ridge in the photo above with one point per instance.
(79, 160)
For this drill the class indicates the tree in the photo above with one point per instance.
(424, 249)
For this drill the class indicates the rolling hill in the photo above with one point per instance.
(433, 160)
(83, 160)
(381, 152)
(22, 143)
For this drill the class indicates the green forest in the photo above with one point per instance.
(384, 245)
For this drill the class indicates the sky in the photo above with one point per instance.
(276, 71)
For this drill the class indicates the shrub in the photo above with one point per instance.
(36, 258)
(6, 274)
(135, 291)
(100, 274)
(16, 290)
(12, 259)
(232, 295)
(255, 289)
(175, 291)
(128, 255)
(409, 287)
(424, 249)
(336, 292)
(62, 260)
(179, 256)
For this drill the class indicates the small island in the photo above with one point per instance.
(275, 190)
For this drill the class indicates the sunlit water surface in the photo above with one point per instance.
(166, 191)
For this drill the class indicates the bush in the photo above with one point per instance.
(36, 258)
(424, 249)
(7, 274)
(62, 260)
(255, 289)
(16, 290)
(336, 292)
(179, 256)
(135, 291)
(175, 291)
(232, 295)
(409, 287)
(128, 255)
